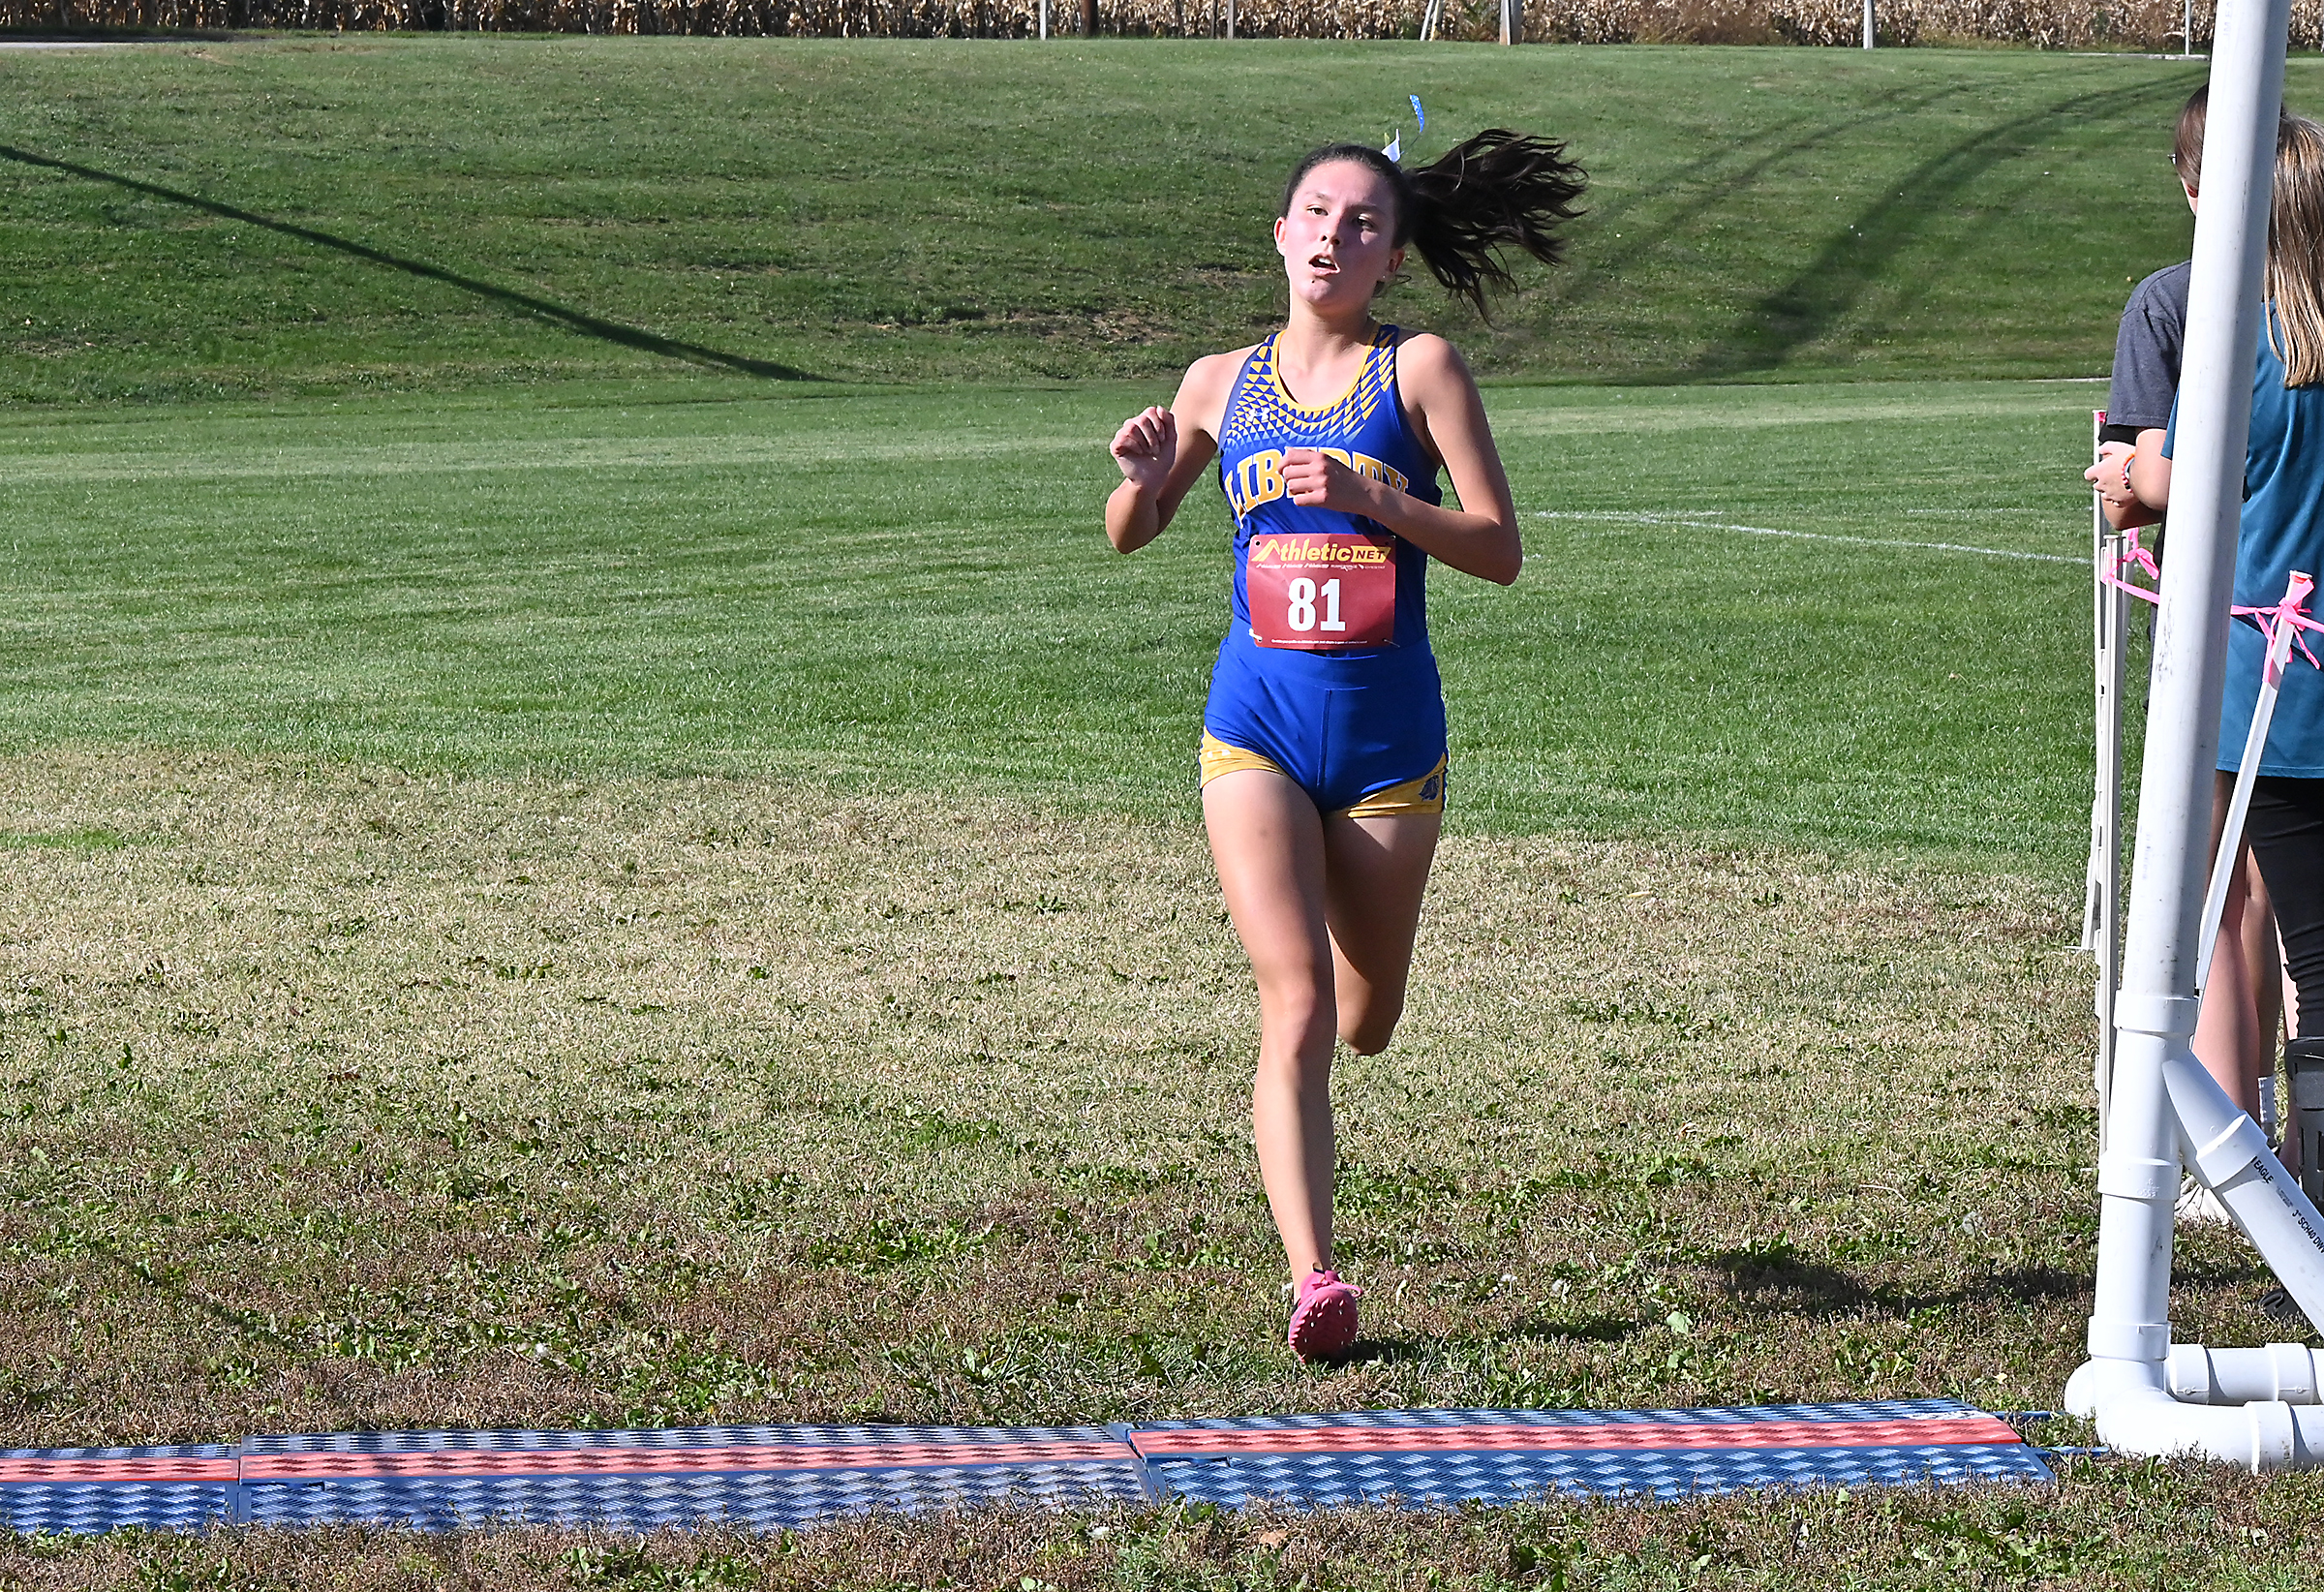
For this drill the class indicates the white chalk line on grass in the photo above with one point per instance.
(1693, 522)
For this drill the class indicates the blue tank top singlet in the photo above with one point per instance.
(1365, 429)
(2282, 530)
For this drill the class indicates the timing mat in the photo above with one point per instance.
(770, 1477)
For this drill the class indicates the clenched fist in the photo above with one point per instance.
(1145, 448)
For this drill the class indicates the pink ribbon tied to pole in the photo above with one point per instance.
(2288, 612)
(2132, 556)
(2281, 623)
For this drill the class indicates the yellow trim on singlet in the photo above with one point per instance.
(1426, 794)
(1274, 374)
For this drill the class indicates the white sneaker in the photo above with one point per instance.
(2199, 1206)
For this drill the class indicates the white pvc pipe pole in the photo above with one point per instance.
(2101, 913)
(2101, 920)
(1867, 24)
(1045, 18)
(2155, 1011)
(2117, 615)
(2289, 1372)
(2099, 591)
(2160, 1091)
(2230, 1156)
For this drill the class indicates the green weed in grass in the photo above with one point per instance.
(62, 840)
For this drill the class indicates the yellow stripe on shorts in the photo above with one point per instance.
(1426, 794)
(1220, 758)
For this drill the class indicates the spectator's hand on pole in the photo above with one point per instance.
(2110, 476)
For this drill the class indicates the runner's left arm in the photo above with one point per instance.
(1481, 536)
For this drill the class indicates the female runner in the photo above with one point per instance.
(1323, 754)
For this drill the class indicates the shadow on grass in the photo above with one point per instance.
(1384, 1350)
(1712, 182)
(1393, 1350)
(1792, 1286)
(579, 320)
(1585, 1329)
(1860, 254)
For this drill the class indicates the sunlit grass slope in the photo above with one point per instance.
(324, 213)
(911, 590)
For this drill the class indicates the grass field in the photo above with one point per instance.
(442, 213)
(558, 912)
(844, 588)
(609, 889)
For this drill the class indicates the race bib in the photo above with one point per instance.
(1322, 591)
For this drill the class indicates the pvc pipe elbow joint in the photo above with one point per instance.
(2136, 1415)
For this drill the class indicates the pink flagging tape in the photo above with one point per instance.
(2290, 612)
(429, 1462)
(1633, 1436)
(128, 1469)
(2131, 556)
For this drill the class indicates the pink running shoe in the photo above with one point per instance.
(1323, 1319)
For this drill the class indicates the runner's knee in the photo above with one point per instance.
(1367, 1030)
(1298, 1023)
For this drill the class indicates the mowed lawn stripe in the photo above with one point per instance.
(911, 590)
(434, 458)
(783, 432)
(1701, 522)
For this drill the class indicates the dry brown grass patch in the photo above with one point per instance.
(340, 1098)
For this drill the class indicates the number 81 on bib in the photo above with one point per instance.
(1313, 592)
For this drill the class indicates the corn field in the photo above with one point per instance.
(2047, 24)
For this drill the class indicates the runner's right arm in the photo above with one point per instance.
(1162, 451)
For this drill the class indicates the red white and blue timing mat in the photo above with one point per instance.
(793, 1475)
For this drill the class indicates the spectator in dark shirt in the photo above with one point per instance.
(2147, 352)
(2147, 349)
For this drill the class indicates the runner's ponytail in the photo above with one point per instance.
(1495, 191)
(1499, 189)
